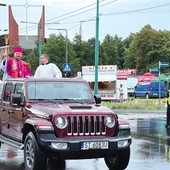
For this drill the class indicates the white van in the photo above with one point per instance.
(131, 83)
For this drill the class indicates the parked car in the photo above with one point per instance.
(150, 90)
(57, 119)
(155, 86)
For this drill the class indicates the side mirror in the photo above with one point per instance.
(16, 98)
(98, 99)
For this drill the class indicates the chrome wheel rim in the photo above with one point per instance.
(29, 154)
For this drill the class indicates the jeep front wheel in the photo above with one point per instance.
(119, 160)
(33, 158)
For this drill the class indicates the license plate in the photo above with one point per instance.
(94, 145)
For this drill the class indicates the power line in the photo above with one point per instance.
(115, 13)
(76, 13)
(84, 11)
(137, 10)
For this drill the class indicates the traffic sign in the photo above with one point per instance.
(154, 70)
(164, 64)
(66, 67)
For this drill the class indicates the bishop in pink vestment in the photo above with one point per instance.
(15, 67)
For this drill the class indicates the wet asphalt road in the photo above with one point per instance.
(150, 149)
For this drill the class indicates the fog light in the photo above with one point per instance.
(59, 145)
(123, 143)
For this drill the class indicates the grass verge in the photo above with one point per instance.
(144, 104)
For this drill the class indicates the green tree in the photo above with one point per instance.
(33, 60)
(142, 51)
(89, 52)
(129, 56)
(78, 48)
(55, 47)
(121, 49)
(111, 51)
(146, 49)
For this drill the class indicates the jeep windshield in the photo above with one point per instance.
(59, 91)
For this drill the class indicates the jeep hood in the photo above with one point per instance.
(48, 109)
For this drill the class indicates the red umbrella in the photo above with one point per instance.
(147, 77)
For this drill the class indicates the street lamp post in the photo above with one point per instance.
(96, 49)
(66, 41)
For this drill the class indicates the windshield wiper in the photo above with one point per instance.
(50, 100)
(73, 100)
(36, 99)
(61, 99)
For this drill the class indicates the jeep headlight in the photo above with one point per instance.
(110, 122)
(61, 122)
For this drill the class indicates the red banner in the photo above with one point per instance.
(128, 72)
(121, 77)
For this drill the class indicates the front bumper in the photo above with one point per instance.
(74, 151)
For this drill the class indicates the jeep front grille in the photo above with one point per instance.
(86, 125)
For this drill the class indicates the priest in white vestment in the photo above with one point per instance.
(47, 70)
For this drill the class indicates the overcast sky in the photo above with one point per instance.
(117, 17)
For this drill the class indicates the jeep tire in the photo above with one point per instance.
(33, 158)
(119, 160)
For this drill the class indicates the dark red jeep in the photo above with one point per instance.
(57, 119)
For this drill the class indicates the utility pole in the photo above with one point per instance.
(96, 49)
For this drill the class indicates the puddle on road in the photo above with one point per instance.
(150, 144)
(150, 150)
(11, 158)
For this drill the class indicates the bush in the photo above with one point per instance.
(144, 104)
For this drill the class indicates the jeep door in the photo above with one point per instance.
(16, 117)
(6, 107)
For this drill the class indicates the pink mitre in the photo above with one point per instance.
(18, 49)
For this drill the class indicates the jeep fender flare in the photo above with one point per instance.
(32, 125)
